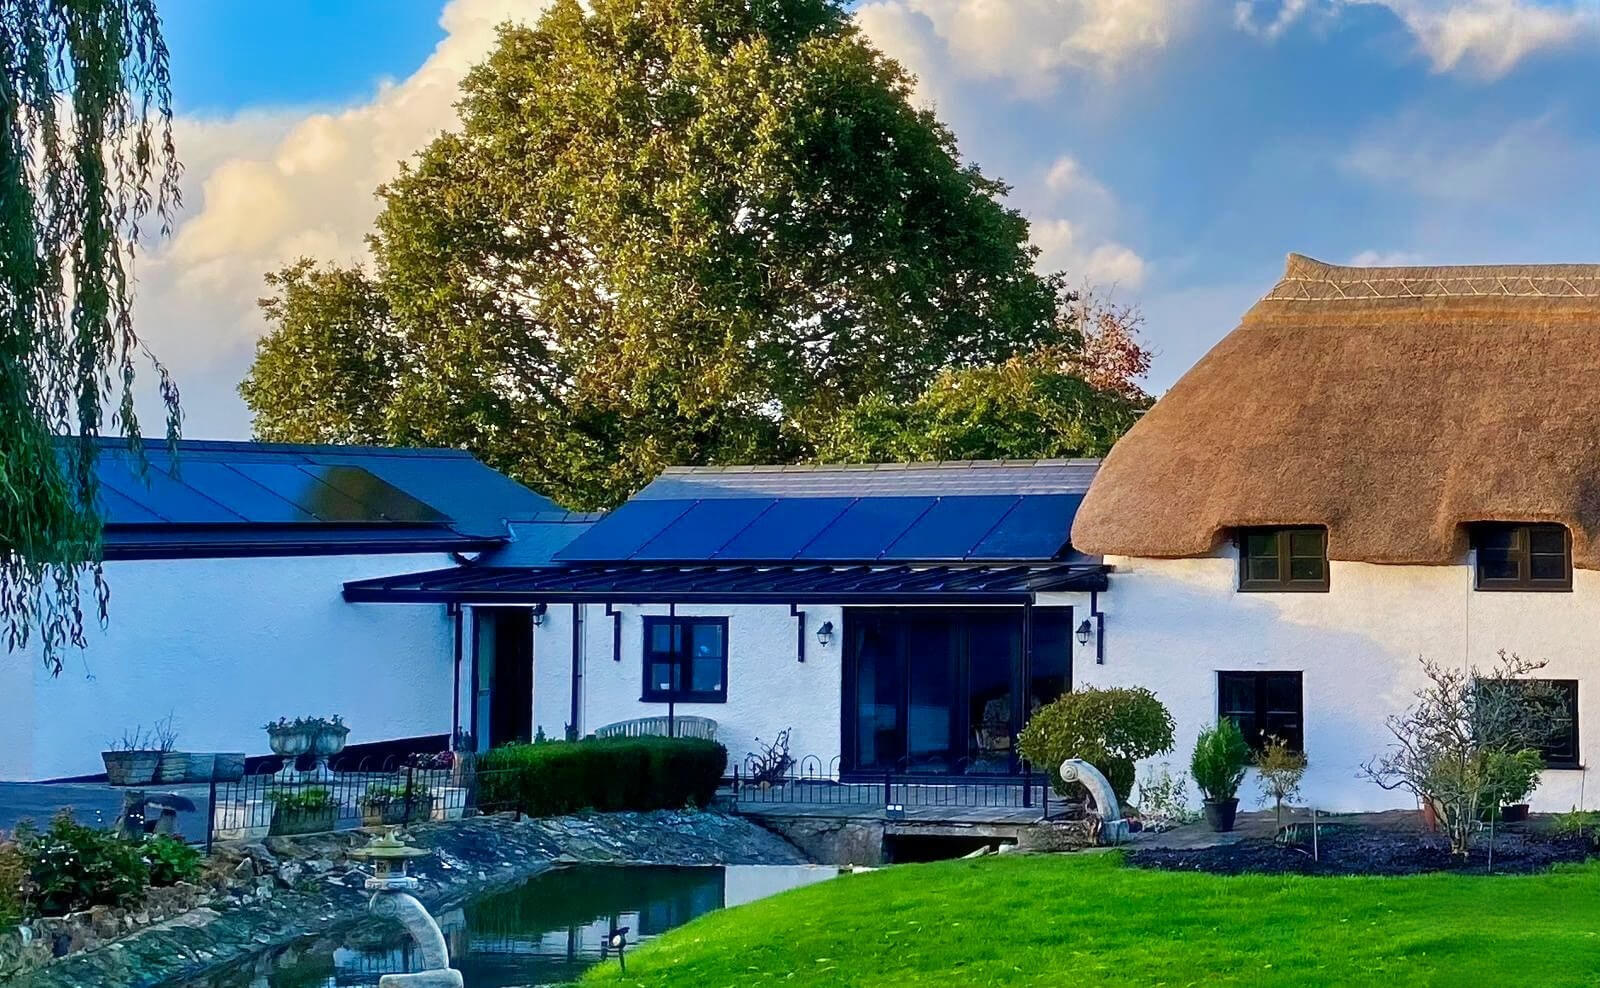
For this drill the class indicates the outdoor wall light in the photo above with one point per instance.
(1084, 631)
(825, 633)
(538, 614)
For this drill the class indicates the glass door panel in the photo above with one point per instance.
(933, 683)
(994, 665)
(879, 693)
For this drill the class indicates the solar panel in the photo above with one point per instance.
(621, 533)
(239, 494)
(952, 527)
(699, 532)
(1037, 528)
(784, 529)
(866, 528)
(380, 497)
(156, 491)
(306, 492)
(119, 510)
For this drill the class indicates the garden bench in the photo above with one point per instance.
(656, 727)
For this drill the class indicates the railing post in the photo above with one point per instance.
(1027, 785)
(888, 788)
(211, 811)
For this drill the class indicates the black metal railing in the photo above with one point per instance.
(392, 792)
(810, 780)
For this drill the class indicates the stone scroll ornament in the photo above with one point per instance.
(1113, 827)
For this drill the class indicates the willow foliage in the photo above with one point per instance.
(86, 158)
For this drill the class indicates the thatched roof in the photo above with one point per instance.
(1393, 405)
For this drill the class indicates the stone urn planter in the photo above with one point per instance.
(290, 739)
(131, 768)
(328, 741)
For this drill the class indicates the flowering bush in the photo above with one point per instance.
(170, 860)
(72, 867)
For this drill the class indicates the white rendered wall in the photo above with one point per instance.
(768, 690)
(226, 645)
(1171, 625)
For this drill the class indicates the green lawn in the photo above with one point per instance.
(1087, 919)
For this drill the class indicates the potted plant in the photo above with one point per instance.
(1515, 775)
(306, 811)
(290, 739)
(173, 765)
(1220, 759)
(388, 806)
(1280, 769)
(133, 759)
(329, 737)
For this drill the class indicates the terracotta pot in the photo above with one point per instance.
(1220, 814)
(1430, 815)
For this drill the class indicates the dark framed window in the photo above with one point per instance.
(1263, 705)
(1283, 559)
(1561, 751)
(1523, 557)
(686, 659)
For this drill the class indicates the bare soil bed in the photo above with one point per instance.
(1353, 849)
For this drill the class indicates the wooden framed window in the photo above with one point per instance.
(1283, 559)
(1523, 557)
(685, 659)
(1263, 705)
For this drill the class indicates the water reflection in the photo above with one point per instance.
(547, 931)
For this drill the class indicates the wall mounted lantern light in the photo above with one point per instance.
(1084, 631)
(538, 614)
(825, 634)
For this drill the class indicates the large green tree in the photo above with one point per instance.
(666, 231)
(86, 159)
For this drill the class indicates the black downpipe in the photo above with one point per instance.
(577, 664)
(455, 699)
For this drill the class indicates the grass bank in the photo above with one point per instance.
(1088, 919)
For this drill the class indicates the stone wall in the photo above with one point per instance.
(263, 895)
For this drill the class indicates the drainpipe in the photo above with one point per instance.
(454, 610)
(577, 665)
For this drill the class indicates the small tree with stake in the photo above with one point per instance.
(1467, 731)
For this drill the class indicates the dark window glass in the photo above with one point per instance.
(1523, 557)
(686, 659)
(1263, 705)
(1283, 559)
(1561, 751)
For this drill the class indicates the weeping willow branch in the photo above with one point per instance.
(86, 158)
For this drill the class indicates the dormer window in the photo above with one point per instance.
(1283, 559)
(1523, 557)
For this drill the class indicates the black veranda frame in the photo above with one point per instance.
(1508, 554)
(683, 658)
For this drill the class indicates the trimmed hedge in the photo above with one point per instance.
(609, 774)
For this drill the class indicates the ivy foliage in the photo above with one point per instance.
(666, 231)
(86, 159)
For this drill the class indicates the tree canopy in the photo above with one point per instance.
(666, 231)
(86, 158)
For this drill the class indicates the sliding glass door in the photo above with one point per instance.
(940, 690)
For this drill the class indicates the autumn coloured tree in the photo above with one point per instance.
(86, 162)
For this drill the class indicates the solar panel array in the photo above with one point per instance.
(831, 529)
(245, 491)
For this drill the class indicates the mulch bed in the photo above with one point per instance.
(1350, 849)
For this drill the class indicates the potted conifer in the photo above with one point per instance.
(1220, 759)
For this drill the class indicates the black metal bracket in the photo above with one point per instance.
(1099, 628)
(800, 628)
(616, 631)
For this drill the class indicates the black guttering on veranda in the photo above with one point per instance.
(794, 583)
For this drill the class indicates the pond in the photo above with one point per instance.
(546, 931)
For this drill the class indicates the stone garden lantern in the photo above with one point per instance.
(391, 886)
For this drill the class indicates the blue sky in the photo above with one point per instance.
(1168, 151)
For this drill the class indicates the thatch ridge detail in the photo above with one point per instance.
(1393, 405)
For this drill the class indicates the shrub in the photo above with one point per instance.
(1164, 798)
(1220, 759)
(302, 800)
(609, 774)
(170, 860)
(1108, 728)
(1281, 768)
(13, 877)
(72, 867)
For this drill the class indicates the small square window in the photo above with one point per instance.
(686, 659)
(1264, 705)
(1523, 557)
(1280, 559)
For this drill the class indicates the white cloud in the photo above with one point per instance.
(1030, 42)
(1474, 164)
(1485, 38)
(263, 188)
(1103, 265)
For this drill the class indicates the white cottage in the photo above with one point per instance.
(226, 571)
(898, 618)
(1378, 464)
